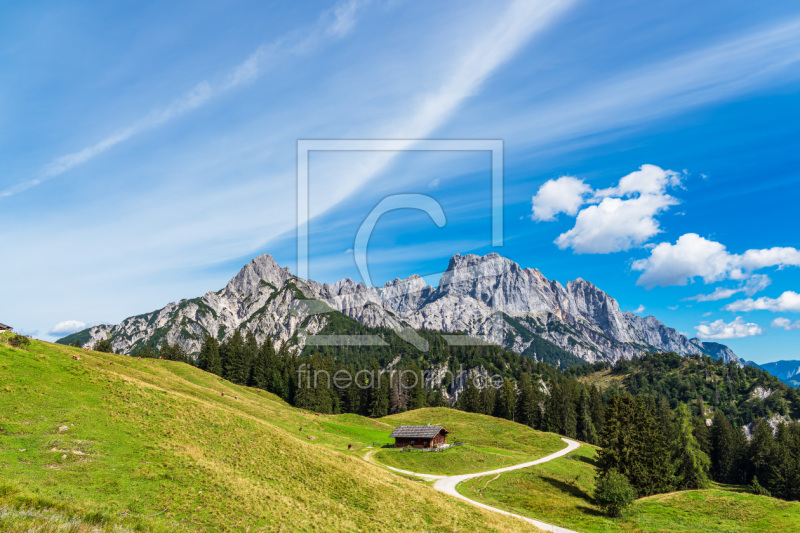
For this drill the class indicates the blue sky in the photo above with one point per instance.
(149, 150)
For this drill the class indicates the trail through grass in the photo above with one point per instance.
(559, 492)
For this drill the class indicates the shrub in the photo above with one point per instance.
(103, 346)
(614, 493)
(19, 341)
(756, 488)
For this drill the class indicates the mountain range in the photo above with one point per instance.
(489, 298)
(786, 371)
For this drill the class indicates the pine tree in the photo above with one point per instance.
(235, 368)
(507, 401)
(651, 469)
(526, 401)
(264, 365)
(250, 354)
(691, 463)
(596, 409)
(723, 449)
(586, 429)
(469, 400)
(760, 451)
(488, 398)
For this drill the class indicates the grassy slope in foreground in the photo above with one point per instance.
(490, 443)
(147, 435)
(559, 492)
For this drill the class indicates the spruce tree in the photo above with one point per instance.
(723, 449)
(469, 400)
(235, 369)
(760, 451)
(526, 401)
(507, 401)
(691, 463)
(263, 365)
(488, 398)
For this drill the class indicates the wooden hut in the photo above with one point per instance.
(3, 327)
(419, 436)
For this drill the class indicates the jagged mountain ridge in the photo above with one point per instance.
(488, 297)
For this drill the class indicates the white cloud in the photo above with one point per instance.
(620, 218)
(785, 323)
(639, 309)
(649, 179)
(615, 225)
(672, 307)
(788, 301)
(756, 283)
(693, 256)
(66, 327)
(732, 330)
(564, 195)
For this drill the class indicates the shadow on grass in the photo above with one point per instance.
(566, 487)
(590, 511)
(588, 460)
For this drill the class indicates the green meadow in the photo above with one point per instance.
(113, 443)
(560, 492)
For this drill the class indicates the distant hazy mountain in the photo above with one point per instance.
(786, 371)
(489, 297)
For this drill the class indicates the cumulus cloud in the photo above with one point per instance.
(615, 224)
(788, 301)
(785, 323)
(719, 329)
(564, 195)
(649, 179)
(66, 327)
(615, 219)
(693, 256)
(639, 309)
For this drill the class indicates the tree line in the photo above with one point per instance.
(652, 429)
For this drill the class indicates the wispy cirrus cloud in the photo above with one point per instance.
(756, 283)
(335, 23)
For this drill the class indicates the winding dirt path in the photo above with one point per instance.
(447, 484)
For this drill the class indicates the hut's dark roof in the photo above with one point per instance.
(417, 432)
(3, 326)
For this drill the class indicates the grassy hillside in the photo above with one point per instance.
(151, 445)
(490, 443)
(559, 492)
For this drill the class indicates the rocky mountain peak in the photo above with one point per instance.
(262, 268)
(487, 297)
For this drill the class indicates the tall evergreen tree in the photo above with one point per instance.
(506, 401)
(691, 463)
(760, 451)
(469, 400)
(209, 359)
(723, 449)
(264, 365)
(527, 408)
(235, 368)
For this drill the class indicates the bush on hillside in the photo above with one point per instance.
(19, 341)
(103, 346)
(756, 488)
(614, 493)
